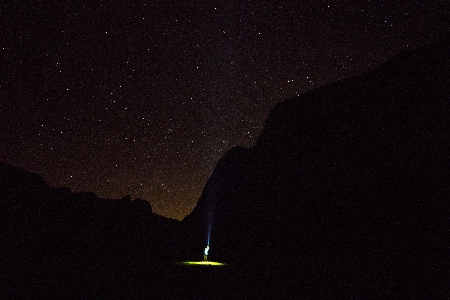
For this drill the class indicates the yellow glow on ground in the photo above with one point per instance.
(203, 263)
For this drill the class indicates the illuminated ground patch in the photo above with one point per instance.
(203, 263)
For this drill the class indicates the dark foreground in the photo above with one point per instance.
(174, 281)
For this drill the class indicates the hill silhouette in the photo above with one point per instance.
(347, 187)
(58, 243)
(345, 193)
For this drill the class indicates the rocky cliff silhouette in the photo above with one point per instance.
(56, 243)
(347, 187)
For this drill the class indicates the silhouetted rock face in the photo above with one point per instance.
(347, 184)
(59, 243)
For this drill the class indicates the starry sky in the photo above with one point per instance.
(144, 97)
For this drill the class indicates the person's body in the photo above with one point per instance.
(205, 254)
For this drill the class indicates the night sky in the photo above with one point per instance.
(144, 98)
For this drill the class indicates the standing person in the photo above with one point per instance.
(205, 255)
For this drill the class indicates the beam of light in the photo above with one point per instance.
(211, 209)
(210, 216)
(203, 263)
(208, 237)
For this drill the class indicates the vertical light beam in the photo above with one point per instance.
(211, 208)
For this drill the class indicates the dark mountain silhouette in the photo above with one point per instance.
(347, 188)
(346, 192)
(58, 243)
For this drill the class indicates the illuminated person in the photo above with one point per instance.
(205, 256)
